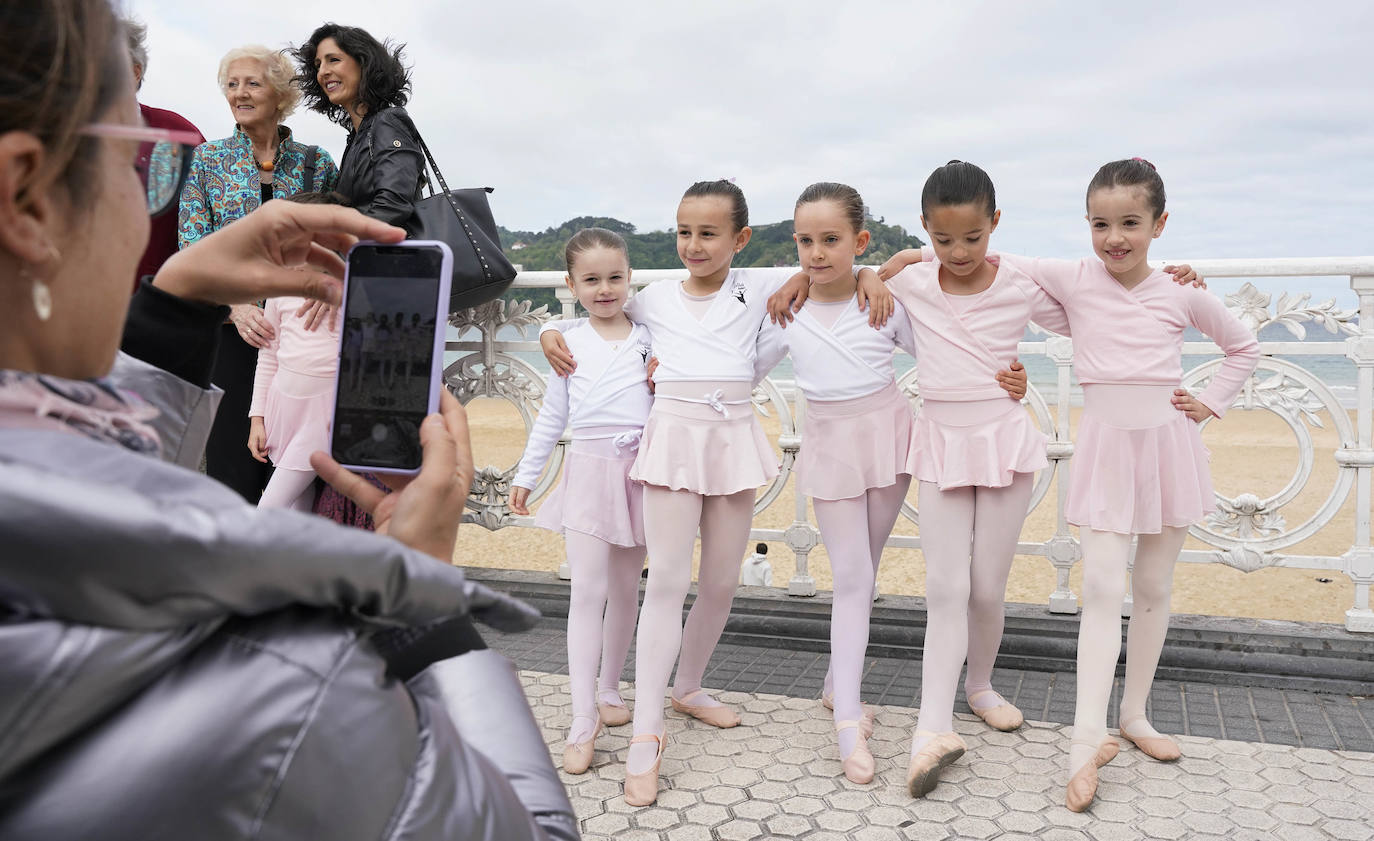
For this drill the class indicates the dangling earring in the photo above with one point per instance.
(42, 300)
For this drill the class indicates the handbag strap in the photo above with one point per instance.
(308, 182)
(453, 203)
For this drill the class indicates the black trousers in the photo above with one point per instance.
(226, 453)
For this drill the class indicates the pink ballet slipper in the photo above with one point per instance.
(1082, 786)
(1004, 716)
(722, 716)
(923, 773)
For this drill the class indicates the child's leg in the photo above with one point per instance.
(997, 519)
(590, 559)
(670, 528)
(725, 523)
(1099, 638)
(884, 507)
(844, 527)
(622, 608)
(1152, 582)
(289, 489)
(946, 542)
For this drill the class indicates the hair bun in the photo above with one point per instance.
(1147, 163)
(953, 162)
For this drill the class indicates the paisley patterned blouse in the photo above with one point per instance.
(223, 183)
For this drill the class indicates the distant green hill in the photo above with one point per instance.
(771, 245)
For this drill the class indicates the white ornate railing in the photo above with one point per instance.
(1249, 532)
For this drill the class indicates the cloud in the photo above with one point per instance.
(1259, 118)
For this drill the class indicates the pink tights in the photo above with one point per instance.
(671, 519)
(1105, 557)
(854, 531)
(289, 489)
(601, 620)
(968, 537)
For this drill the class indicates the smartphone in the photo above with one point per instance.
(391, 353)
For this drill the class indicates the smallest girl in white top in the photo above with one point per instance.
(596, 506)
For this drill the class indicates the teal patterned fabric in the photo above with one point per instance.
(223, 183)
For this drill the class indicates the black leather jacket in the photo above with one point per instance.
(382, 166)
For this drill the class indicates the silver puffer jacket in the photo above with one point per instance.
(175, 664)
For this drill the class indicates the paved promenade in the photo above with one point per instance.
(777, 776)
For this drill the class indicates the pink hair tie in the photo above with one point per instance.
(1147, 163)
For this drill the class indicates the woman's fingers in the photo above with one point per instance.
(363, 493)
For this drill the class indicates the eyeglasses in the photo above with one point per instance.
(164, 156)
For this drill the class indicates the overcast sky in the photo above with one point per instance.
(1260, 116)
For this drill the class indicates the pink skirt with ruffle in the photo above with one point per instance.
(850, 446)
(1138, 464)
(982, 443)
(296, 417)
(706, 450)
(596, 495)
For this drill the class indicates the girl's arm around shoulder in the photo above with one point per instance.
(555, 347)
(1057, 277)
(771, 348)
(1207, 313)
(899, 329)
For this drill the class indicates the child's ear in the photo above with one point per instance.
(924, 226)
(1159, 223)
(861, 244)
(996, 217)
(742, 238)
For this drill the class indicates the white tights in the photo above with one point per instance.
(968, 537)
(1105, 556)
(601, 620)
(289, 489)
(671, 519)
(854, 531)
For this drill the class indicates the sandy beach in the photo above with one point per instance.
(1252, 452)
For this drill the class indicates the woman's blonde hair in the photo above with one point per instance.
(277, 69)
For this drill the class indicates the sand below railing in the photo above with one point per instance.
(1253, 452)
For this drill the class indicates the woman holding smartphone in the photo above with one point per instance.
(168, 650)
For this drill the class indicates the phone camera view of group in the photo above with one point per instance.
(385, 365)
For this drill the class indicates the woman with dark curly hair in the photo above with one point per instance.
(363, 85)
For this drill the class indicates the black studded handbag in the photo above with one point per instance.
(462, 220)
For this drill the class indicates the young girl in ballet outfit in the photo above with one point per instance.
(1139, 466)
(854, 459)
(596, 506)
(702, 457)
(293, 402)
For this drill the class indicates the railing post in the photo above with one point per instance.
(801, 536)
(1062, 550)
(1359, 561)
(565, 297)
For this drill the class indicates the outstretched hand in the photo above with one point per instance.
(282, 248)
(1184, 275)
(425, 512)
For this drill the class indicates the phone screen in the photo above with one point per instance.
(386, 355)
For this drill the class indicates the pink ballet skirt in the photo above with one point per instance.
(1138, 464)
(981, 443)
(596, 495)
(850, 446)
(296, 416)
(713, 447)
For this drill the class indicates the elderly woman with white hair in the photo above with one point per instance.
(229, 179)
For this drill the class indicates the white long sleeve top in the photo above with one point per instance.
(960, 349)
(845, 361)
(1135, 336)
(608, 389)
(720, 346)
